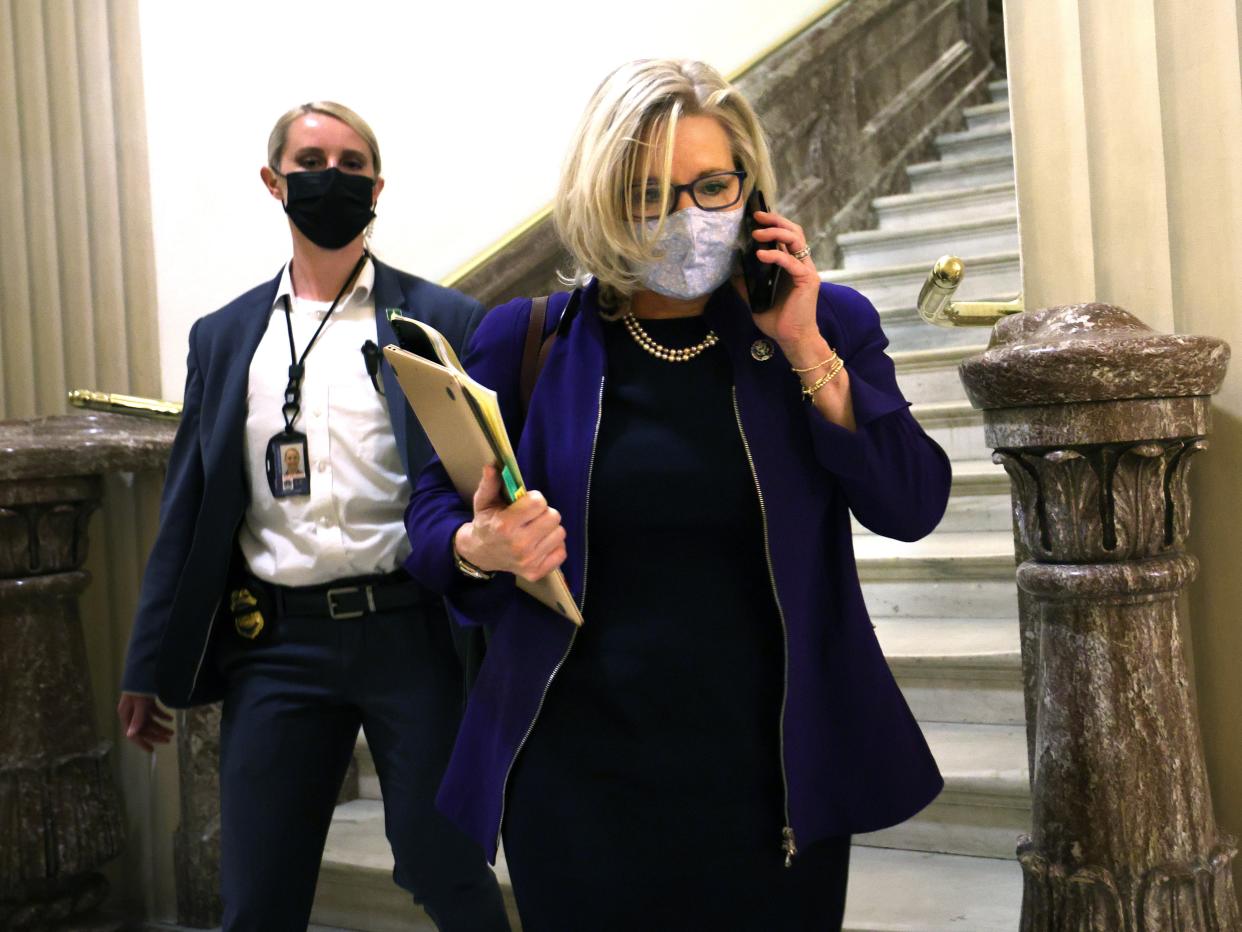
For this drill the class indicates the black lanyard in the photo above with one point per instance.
(297, 367)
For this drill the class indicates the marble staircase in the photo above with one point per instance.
(945, 608)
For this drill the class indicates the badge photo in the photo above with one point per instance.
(288, 471)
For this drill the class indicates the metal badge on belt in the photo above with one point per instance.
(247, 616)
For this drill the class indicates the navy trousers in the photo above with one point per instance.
(294, 703)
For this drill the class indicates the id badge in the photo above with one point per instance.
(288, 467)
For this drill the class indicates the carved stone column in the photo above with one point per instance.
(1096, 418)
(60, 813)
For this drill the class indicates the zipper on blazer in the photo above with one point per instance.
(788, 842)
(586, 513)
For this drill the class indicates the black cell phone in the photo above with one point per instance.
(763, 280)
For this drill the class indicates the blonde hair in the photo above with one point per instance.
(280, 132)
(635, 107)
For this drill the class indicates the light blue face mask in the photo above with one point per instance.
(694, 254)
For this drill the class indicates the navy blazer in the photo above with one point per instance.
(206, 491)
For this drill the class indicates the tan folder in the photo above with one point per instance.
(462, 420)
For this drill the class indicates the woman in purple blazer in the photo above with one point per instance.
(699, 753)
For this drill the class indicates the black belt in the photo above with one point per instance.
(344, 599)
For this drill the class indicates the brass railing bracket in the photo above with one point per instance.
(125, 404)
(936, 304)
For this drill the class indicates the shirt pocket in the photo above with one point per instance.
(357, 420)
(360, 431)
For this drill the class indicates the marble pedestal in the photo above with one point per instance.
(1096, 419)
(60, 812)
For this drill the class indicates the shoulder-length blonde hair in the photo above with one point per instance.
(280, 132)
(633, 110)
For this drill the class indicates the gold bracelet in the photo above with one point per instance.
(818, 365)
(823, 380)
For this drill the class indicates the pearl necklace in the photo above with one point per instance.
(659, 351)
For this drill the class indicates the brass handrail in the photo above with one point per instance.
(936, 304)
(125, 404)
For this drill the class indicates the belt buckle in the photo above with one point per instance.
(336, 614)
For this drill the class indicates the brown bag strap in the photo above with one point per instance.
(534, 349)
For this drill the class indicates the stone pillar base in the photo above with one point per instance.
(1172, 897)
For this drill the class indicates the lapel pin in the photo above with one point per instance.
(761, 350)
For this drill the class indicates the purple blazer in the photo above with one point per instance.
(853, 758)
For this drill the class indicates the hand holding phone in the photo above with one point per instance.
(763, 279)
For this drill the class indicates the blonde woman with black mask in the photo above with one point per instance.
(276, 583)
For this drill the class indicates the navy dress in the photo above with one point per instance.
(649, 794)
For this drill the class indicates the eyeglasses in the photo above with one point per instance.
(718, 191)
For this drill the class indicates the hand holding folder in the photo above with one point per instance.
(462, 419)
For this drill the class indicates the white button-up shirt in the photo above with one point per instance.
(352, 523)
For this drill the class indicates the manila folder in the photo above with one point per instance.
(462, 420)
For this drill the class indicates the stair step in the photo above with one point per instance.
(973, 506)
(986, 802)
(956, 426)
(356, 889)
(912, 891)
(941, 598)
(979, 477)
(956, 556)
(931, 374)
(953, 592)
(959, 670)
(937, 892)
(999, 90)
(960, 173)
(974, 143)
(929, 208)
(897, 286)
(987, 115)
(368, 779)
(870, 249)
(932, 645)
(969, 514)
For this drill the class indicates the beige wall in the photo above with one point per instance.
(1128, 147)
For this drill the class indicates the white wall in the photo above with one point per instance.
(473, 103)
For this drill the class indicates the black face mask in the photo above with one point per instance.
(330, 207)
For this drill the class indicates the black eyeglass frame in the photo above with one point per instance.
(674, 194)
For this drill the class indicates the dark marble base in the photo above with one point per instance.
(60, 811)
(1096, 419)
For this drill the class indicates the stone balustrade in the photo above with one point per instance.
(60, 811)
